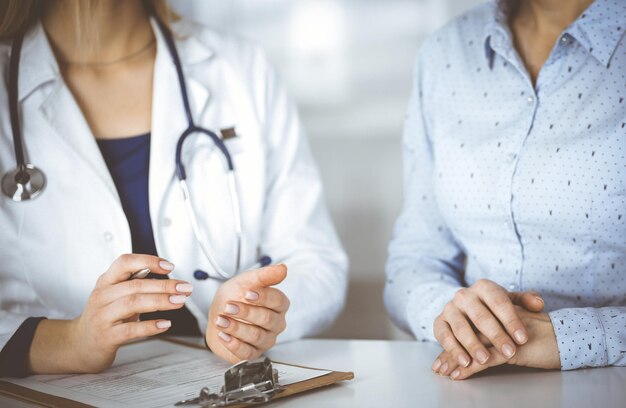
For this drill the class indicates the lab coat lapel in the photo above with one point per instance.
(59, 109)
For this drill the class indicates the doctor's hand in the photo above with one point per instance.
(489, 309)
(247, 314)
(110, 318)
(541, 350)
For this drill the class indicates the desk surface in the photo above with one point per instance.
(397, 374)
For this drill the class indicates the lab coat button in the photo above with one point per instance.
(108, 237)
(167, 222)
(513, 287)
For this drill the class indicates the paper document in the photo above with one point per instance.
(154, 373)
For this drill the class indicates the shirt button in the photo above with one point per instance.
(564, 39)
(513, 287)
(108, 237)
(530, 100)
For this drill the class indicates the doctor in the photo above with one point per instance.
(144, 148)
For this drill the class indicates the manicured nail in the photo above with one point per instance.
(455, 374)
(520, 336)
(508, 350)
(224, 336)
(231, 309)
(464, 361)
(436, 365)
(184, 288)
(222, 322)
(163, 324)
(178, 299)
(444, 368)
(482, 356)
(168, 266)
(250, 295)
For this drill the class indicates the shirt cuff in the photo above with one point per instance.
(425, 305)
(14, 355)
(580, 338)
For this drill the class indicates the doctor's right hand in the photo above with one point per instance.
(90, 342)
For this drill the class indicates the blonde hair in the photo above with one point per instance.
(17, 16)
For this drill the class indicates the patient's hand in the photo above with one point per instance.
(247, 314)
(541, 350)
(487, 308)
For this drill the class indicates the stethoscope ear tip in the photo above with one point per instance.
(200, 275)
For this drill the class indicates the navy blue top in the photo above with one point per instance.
(128, 161)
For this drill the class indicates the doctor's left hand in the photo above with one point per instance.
(247, 314)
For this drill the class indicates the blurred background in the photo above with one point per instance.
(348, 65)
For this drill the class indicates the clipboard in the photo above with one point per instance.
(29, 395)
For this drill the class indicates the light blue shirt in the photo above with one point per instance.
(520, 184)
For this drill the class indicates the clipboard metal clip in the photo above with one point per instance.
(247, 382)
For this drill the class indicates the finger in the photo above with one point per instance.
(465, 335)
(254, 335)
(271, 298)
(240, 349)
(531, 301)
(500, 304)
(125, 265)
(446, 361)
(264, 277)
(256, 315)
(130, 305)
(448, 341)
(462, 373)
(123, 333)
(168, 286)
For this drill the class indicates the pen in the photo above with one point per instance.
(140, 274)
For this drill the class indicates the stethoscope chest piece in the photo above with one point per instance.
(23, 183)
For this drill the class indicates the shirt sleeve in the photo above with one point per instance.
(306, 242)
(590, 337)
(14, 355)
(425, 265)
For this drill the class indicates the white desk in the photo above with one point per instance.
(397, 374)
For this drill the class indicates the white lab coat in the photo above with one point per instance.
(53, 248)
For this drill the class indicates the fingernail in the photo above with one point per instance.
(184, 288)
(231, 309)
(463, 361)
(436, 365)
(178, 299)
(250, 295)
(482, 356)
(222, 322)
(455, 374)
(539, 298)
(168, 266)
(163, 324)
(444, 368)
(520, 336)
(508, 350)
(224, 336)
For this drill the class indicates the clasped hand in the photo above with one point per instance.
(485, 326)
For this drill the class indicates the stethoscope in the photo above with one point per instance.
(26, 181)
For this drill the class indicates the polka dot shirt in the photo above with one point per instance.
(520, 184)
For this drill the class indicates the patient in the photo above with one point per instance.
(511, 246)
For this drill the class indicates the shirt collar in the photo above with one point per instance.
(38, 64)
(599, 29)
